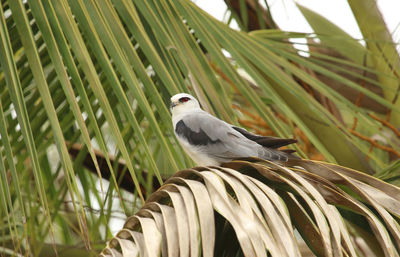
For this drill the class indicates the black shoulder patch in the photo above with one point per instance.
(194, 138)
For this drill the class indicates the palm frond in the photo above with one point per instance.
(264, 209)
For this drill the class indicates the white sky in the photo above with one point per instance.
(289, 18)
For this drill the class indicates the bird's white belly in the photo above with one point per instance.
(197, 155)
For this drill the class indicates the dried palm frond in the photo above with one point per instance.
(256, 209)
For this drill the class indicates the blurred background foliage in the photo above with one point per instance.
(85, 128)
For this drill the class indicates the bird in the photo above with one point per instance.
(210, 141)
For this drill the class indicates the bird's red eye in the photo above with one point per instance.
(184, 99)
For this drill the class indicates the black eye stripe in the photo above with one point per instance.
(184, 99)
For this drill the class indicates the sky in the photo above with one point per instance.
(289, 18)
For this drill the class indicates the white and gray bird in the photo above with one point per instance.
(211, 141)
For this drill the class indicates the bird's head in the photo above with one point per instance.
(183, 102)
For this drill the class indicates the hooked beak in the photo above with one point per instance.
(173, 104)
